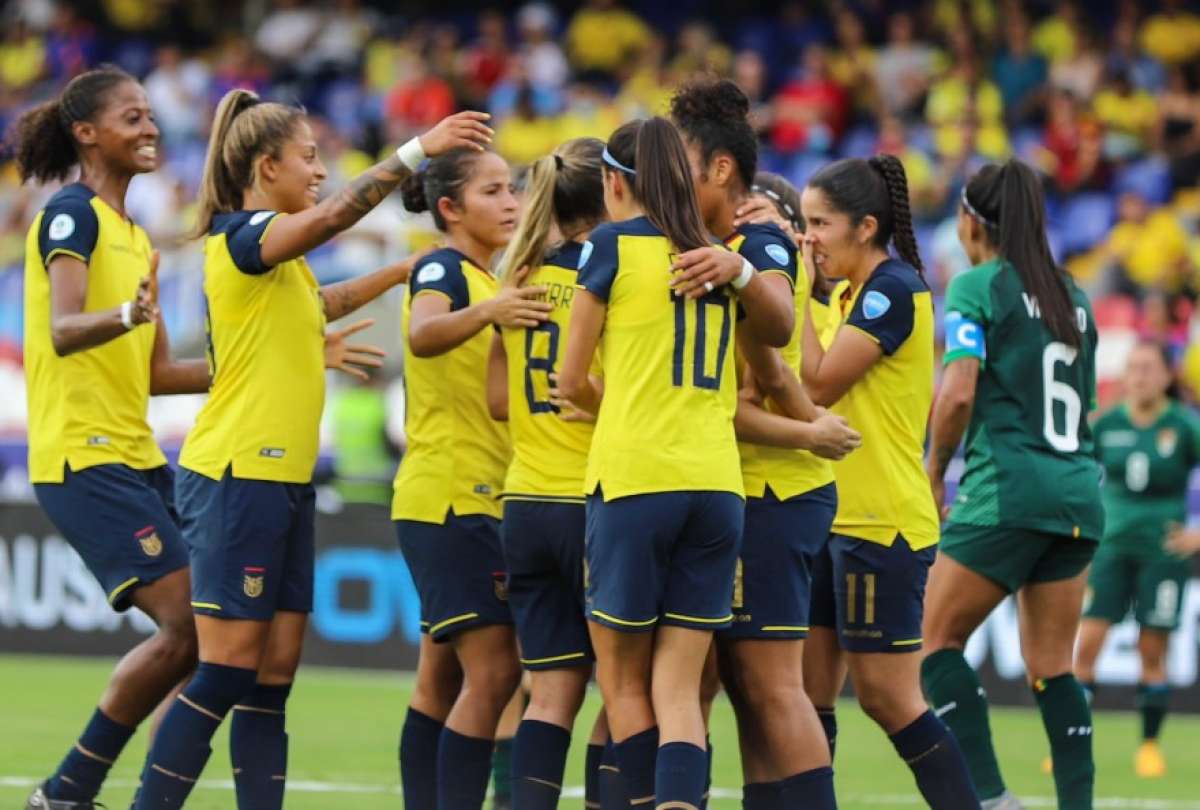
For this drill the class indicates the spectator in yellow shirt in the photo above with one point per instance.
(1054, 37)
(1146, 250)
(526, 136)
(1129, 116)
(602, 36)
(1172, 35)
(22, 57)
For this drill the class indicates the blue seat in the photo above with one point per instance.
(1086, 220)
(859, 142)
(1151, 178)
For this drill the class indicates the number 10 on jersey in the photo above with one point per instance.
(700, 339)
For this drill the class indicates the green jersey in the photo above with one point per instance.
(1029, 456)
(1146, 471)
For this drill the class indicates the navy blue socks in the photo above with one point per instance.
(933, 756)
(258, 747)
(82, 771)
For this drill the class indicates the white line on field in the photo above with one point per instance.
(575, 792)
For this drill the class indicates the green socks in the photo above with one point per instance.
(954, 691)
(1068, 722)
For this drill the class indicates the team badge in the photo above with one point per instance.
(151, 544)
(500, 585)
(1165, 441)
(875, 304)
(778, 253)
(252, 582)
(585, 254)
(61, 227)
(260, 216)
(430, 273)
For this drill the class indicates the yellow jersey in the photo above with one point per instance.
(457, 454)
(666, 419)
(787, 472)
(882, 487)
(826, 312)
(549, 455)
(89, 407)
(266, 355)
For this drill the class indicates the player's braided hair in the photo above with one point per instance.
(874, 188)
(42, 139)
(446, 175)
(903, 237)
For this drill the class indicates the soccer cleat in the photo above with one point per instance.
(38, 800)
(1005, 801)
(1048, 765)
(1149, 762)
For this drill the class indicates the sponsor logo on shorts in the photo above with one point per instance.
(151, 543)
(252, 581)
(272, 452)
(500, 585)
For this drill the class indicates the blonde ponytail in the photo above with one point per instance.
(243, 128)
(565, 188)
(528, 245)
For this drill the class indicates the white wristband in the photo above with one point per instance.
(127, 315)
(411, 154)
(744, 278)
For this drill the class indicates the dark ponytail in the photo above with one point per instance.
(42, 139)
(1007, 200)
(443, 176)
(662, 179)
(877, 188)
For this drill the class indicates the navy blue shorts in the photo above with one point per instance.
(252, 544)
(543, 550)
(662, 557)
(772, 586)
(872, 594)
(121, 522)
(458, 569)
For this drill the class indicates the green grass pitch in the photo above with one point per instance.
(344, 727)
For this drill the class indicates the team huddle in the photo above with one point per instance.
(668, 421)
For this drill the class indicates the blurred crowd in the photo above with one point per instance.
(1103, 97)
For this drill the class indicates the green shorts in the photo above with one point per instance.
(1013, 557)
(1152, 586)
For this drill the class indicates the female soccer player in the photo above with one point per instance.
(1148, 446)
(543, 527)
(878, 373)
(95, 350)
(245, 492)
(791, 497)
(664, 509)
(1020, 379)
(446, 505)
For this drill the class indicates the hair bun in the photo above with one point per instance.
(412, 193)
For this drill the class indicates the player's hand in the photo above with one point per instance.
(759, 210)
(403, 269)
(568, 411)
(518, 307)
(145, 303)
(834, 438)
(464, 129)
(352, 358)
(807, 257)
(1182, 541)
(698, 272)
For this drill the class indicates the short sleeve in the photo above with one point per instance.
(885, 311)
(770, 251)
(598, 263)
(244, 239)
(440, 274)
(69, 226)
(964, 323)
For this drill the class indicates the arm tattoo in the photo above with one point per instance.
(368, 189)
